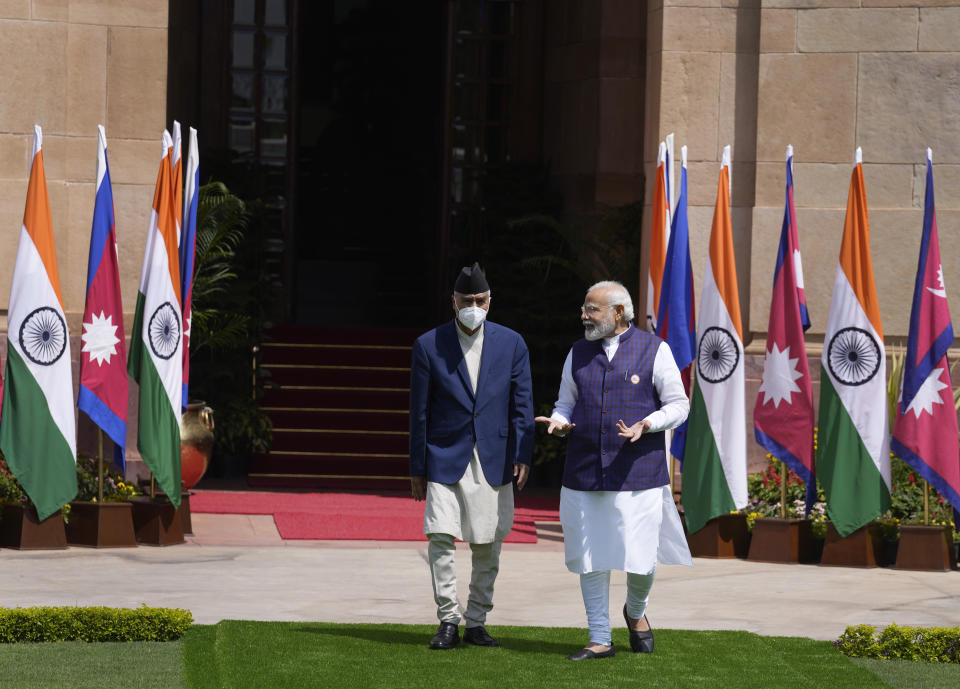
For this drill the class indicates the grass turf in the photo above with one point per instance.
(299, 656)
(282, 655)
(904, 674)
(80, 665)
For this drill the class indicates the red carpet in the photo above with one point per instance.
(354, 516)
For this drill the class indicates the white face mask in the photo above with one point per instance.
(471, 317)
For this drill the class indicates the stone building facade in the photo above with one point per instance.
(826, 76)
(70, 65)
(615, 77)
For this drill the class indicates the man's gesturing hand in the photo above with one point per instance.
(418, 487)
(632, 432)
(554, 427)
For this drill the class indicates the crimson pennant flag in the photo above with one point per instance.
(103, 355)
(783, 414)
(925, 430)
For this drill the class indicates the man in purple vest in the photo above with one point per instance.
(619, 391)
(471, 434)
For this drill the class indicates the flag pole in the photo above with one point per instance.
(783, 489)
(926, 503)
(99, 465)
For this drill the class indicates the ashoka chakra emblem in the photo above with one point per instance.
(853, 356)
(718, 356)
(164, 331)
(43, 336)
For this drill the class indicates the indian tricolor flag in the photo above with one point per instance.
(659, 228)
(156, 340)
(853, 461)
(176, 179)
(715, 460)
(38, 432)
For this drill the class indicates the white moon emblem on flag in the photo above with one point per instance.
(43, 336)
(718, 356)
(853, 356)
(164, 331)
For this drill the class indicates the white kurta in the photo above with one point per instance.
(471, 509)
(625, 530)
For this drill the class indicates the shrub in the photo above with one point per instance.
(115, 487)
(92, 624)
(933, 644)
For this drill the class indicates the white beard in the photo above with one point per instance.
(600, 331)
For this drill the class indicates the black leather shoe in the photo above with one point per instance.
(478, 637)
(640, 642)
(587, 654)
(447, 636)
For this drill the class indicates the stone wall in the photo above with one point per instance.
(70, 65)
(825, 76)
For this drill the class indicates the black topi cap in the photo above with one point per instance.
(471, 281)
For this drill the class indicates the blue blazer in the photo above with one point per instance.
(446, 418)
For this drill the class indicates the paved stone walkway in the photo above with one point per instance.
(237, 567)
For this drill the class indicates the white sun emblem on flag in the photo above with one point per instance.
(928, 394)
(100, 338)
(779, 374)
(942, 291)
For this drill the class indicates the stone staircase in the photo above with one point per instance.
(338, 399)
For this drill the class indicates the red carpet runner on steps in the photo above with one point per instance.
(354, 516)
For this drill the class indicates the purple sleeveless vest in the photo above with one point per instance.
(597, 458)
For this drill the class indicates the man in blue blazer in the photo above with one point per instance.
(471, 434)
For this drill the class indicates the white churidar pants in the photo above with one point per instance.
(595, 587)
(625, 530)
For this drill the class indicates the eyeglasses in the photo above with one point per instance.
(593, 308)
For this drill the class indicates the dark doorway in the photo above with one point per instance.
(330, 113)
(369, 162)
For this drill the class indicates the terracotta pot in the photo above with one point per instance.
(781, 540)
(858, 549)
(196, 442)
(21, 529)
(101, 524)
(725, 536)
(928, 548)
(156, 522)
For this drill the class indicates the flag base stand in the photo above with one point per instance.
(725, 536)
(184, 513)
(22, 529)
(782, 540)
(101, 525)
(859, 549)
(927, 548)
(156, 522)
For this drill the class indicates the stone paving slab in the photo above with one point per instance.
(257, 577)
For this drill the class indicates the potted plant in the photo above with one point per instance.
(102, 514)
(20, 526)
(924, 522)
(776, 517)
(229, 319)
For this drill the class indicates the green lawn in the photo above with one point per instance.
(268, 655)
(79, 665)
